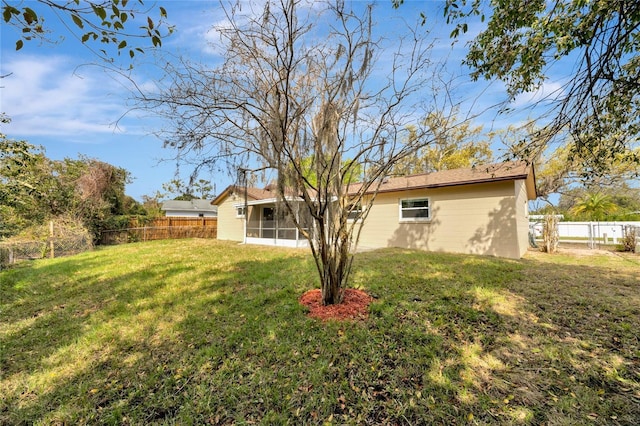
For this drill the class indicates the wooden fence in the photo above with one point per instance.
(163, 228)
(177, 221)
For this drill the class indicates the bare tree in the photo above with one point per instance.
(300, 83)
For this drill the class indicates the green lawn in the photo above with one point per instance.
(205, 332)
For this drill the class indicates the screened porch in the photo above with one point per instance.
(269, 224)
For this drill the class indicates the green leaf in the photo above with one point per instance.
(156, 41)
(100, 12)
(163, 12)
(77, 21)
(85, 37)
(124, 17)
(122, 44)
(131, 53)
(29, 16)
(150, 22)
(19, 44)
(8, 13)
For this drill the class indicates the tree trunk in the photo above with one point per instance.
(336, 265)
(331, 289)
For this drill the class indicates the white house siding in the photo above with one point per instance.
(189, 213)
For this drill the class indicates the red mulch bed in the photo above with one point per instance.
(355, 305)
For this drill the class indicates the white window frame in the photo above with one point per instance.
(414, 219)
(359, 210)
(240, 213)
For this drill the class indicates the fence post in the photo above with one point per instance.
(52, 254)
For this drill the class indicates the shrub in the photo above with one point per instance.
(629, 239)
(550, 234)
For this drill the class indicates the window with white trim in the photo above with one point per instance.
(415, 210)
(355, 211)
(240, 211)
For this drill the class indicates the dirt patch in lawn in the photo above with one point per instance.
(355, 305)
(578, 251)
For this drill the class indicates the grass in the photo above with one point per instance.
(206, 332)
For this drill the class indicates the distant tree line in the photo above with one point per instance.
(35, 189)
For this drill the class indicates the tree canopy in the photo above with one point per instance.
(177, 189)
(455, 145)
(106, 22)
(594, 206)
(34, 188)
(595, 112)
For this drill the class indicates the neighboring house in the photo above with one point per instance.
(481, 210)
(193, 208)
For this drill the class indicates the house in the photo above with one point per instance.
(480, 210)
(193, 208)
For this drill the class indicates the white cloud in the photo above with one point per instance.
(548, 91)
(45, 95)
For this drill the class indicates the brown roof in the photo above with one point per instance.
(479, 174)
(252, 193)
(497, 172)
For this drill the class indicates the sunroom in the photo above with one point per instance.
(269, 223)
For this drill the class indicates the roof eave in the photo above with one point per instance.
(450, 184)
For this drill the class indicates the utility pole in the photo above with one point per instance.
(242, 179)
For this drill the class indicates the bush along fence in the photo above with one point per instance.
(163, 228)
(61, 241)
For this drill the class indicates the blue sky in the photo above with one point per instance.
(59, 96)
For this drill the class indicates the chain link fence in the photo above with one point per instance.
(14, 250)
(63, 237)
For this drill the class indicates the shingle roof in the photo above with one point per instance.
(479, 174)
(511, 170)
(253, 193)
(195, 205)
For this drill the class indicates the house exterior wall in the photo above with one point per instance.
(522, 216)
(475, 219)
(189, 213)
(230, 227)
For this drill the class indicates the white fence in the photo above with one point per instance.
(590, 233)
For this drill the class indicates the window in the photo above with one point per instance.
(240, 211)
(355, 211)
(415, 210)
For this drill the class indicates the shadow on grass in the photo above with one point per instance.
(204, 332)
(528, 342)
